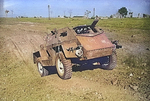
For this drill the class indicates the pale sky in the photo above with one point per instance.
(31, 8)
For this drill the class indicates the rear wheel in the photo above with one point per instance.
(111, 63)
(42, 71)
(64, 66)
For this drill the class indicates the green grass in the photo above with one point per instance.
(112, 24)
(62, 22)
(123, 26)
(131, 23)
(127, 23)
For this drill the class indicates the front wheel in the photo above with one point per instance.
(64, 66)
(42, 71)
(111, 63)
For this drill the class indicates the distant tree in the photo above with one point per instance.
(123, 11)
(144, 15)
(65, 17)
(6, 12)
(131, 14)
(96, 16)
(111, 16)
(92, 17)
(138, 15)
(87, 13)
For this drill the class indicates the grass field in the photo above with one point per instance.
(20, 81)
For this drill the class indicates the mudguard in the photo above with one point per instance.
(69, 53)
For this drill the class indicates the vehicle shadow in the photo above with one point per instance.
(81, 65)
(51, 69)
(89, 64)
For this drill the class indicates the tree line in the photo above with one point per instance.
(122, 13)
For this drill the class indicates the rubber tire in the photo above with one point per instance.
(42, 71)
(66, 71)
(112, 62)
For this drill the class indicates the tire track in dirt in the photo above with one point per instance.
(25, 45)
(18, 50)
(22, 47)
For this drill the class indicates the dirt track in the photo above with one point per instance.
(21, 41)
(24, 45)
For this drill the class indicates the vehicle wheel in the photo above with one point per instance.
(64, 66)
(42, 70)
(111, 63)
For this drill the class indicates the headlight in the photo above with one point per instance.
(79, 51)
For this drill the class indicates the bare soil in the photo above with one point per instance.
(20, 81)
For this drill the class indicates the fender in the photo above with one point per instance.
(68, 49)
(42, 56)
(36, 55)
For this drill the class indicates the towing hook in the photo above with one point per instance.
(116, 43)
